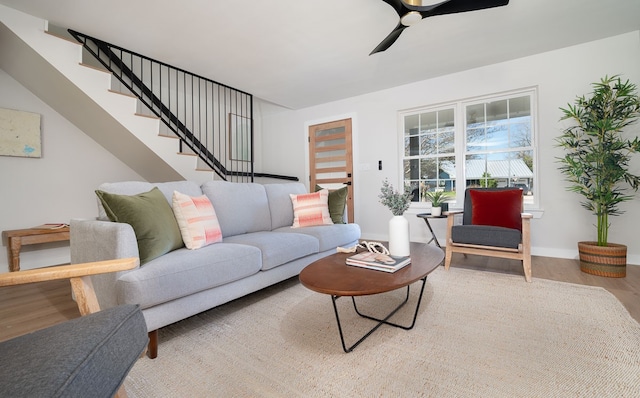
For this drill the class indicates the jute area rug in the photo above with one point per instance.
(478, 334)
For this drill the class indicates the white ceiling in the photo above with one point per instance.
(303, 53)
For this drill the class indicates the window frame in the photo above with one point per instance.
(460, 136)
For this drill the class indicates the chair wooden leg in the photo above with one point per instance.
(152, 352)
(447, 257)
(447, 251)
(85, 295)
(526, 265)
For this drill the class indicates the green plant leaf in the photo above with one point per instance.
(597, 156)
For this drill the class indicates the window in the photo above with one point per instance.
(429, 151)
(491, 137)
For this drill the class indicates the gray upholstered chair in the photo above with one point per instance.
(493, 224)
(85, 357)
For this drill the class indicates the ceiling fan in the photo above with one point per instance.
(413, 11)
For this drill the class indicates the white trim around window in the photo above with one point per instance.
(485, 141)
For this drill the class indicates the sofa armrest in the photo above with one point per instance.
(93, 240)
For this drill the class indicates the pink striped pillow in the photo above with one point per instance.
(311, 209)
(197, 220)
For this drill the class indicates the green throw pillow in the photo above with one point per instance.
(151, 218)
(337, 203)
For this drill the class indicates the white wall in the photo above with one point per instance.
(558, 75)
(56, 187)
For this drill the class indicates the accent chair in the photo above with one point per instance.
(88, 356)
(493, 224)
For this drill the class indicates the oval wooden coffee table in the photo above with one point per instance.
(331, 275)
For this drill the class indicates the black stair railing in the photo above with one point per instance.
(213, 120)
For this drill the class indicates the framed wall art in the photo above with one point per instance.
(20, 134)
(239, 138)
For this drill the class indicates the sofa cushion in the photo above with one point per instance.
(184, 272)
(240, 207)
(151, 218)
(485, 235)
(329, 236)
(121, 188)
(135, 187)
(88, 356)
(311, 209)
(337, 203)
(280, 202)
(278, 248)
(197, 220)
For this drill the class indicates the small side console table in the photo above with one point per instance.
(21, 237)
(426, 217)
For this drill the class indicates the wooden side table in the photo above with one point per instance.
(21, 237)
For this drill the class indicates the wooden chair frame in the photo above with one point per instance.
(522, 253)
(80, 277)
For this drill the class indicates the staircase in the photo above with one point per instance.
(105, 109)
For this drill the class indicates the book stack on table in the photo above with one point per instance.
(378, 261)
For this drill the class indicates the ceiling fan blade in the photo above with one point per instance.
(408, 11)
(389, 40)
(397, 5)
(456, 6)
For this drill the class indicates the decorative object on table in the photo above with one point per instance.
(341, 249)
(374, 247)
(378, 261)
(398, 203)
(51, 226)
(437, 199)
(596, 165)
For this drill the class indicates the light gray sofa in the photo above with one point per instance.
(259, 248)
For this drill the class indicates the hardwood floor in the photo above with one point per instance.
(31, 307)
(27, 308)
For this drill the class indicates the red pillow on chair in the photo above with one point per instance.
(497, 208)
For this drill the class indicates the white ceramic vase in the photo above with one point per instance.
(436, 211)
(399, 236)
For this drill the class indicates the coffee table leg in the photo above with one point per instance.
(381, 322)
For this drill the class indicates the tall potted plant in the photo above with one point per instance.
(596, 164)
(398, 203)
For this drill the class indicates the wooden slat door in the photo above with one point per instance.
(331, 158)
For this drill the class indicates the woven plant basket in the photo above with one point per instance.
(609, 261)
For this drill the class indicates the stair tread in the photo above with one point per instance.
(121, 93)
(95, 68)
(149, 116)
(63, 38)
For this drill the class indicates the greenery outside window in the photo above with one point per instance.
(484, 142)
(429, 151)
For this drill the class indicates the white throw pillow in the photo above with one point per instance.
(311, 209)
(197, 220)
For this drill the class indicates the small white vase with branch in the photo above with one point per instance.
(398, 203)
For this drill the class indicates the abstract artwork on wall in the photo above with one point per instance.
(20, 134)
